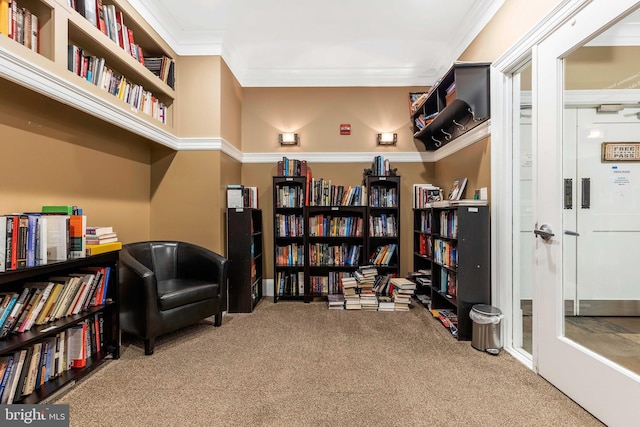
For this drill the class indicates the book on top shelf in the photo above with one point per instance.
(457, 189)
(102, 248)
(99, 230)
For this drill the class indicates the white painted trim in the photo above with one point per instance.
(267, 288)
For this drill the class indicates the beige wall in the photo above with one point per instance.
(509, 24)
(603, 67)
(316, 114)
(54, 154)
(231, 107)
(198, 96)
(185, 197)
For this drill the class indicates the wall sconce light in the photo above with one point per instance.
(288, 138)
(387, 138)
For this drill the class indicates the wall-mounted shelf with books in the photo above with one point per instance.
(457, 103)
(47, 72)
(102, 319)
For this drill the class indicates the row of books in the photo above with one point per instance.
(445, 253)
(39, 303)
(383, 226)
(19, 24)
(332, 226)
(331, 284)
(449, 224)
(289, 283)
(425, 194)
(94, 70)
(25, 370)
(163, 67)
(239, 196)
(324, 193)
(290, 255)
(110, 21)
(289, 196)
(289, 225)
(291, 167)
(323, 254)
(423, 120)
(383, 255)
(382, 197)
(57, 233)
(381, 167)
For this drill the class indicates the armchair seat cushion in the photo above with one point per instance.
(179, 292)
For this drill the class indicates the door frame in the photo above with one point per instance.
(502, 71)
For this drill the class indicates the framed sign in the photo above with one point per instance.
(621, 151)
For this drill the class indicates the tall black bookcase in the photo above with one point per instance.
(289, 231)
(460, 261)
(383, 217)
(245, 250)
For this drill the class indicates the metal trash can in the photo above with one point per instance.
(485, 333)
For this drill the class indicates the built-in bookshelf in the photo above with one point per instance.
(383, 218)
(245, 251)
(454, 242)
(289, 233)
(143, 98)
(78, 341)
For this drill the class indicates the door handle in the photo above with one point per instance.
(571, 233)
(544, 232)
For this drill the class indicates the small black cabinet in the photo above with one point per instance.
(245, 251)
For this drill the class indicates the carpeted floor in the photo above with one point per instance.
(296, 364)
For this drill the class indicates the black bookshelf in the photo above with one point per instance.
(13, 281)
(289, 233)
(460, 266)
(383, 221)
(245, 251)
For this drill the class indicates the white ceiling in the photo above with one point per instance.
(323, 42)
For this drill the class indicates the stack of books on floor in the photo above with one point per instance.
(335, 301)
(366, 276)
(403, 290)
(385, 303)
(101, 239)
(350, 292)
(369, 300)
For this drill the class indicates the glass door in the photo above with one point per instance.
(587, 210)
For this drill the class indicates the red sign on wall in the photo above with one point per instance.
(345, 129)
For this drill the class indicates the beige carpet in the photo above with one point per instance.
(296, 364)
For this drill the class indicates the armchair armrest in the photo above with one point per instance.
(138, 295)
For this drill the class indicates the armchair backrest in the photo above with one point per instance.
(159, 257)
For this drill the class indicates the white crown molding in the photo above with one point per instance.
(338, 77)
(38, 79)
(209, 144)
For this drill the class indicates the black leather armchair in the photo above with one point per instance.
(167, 285)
